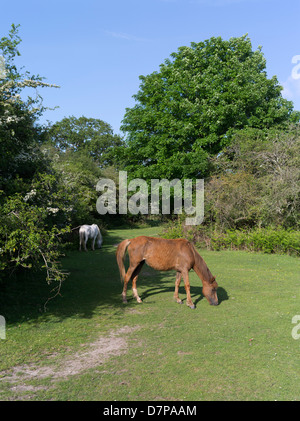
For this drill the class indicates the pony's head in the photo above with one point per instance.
(210, 292)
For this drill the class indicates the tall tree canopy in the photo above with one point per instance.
(90, 135)
(188, 109)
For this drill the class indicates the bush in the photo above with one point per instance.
(266, 240)
(27, 242)
(256, 181)
(233, 200)
(173, 231)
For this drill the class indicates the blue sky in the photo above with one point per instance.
(96, 50)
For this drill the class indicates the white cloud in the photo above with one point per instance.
(291, 88)
(123, 35)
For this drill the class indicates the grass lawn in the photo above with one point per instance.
(91, 346)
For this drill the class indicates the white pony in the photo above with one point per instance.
(89, 231)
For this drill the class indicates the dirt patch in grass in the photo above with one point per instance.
(94, 354)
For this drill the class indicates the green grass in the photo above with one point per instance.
(241, 350)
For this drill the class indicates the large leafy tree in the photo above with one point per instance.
(90, 135)
(189, 108)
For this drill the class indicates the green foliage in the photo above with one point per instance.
(27, 241)
(189, 109)
(75, 175)
(267, 240)
(233, 200)
(174, 230)
(90, 135)
(256, 181)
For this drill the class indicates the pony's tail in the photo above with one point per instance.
(81, 238)
(121, 250)
(99, 239)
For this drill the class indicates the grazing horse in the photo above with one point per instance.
(89, 231)
(162, 254)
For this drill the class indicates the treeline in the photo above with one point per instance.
(209, 112)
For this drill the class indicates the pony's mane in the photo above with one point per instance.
(201, 267)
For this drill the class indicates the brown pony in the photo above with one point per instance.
(162, 254)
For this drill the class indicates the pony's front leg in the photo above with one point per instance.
(177, 283)
(189, 301)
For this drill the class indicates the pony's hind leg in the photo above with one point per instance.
(126, 280)
(132, 273)
(134, 279)
(177, 283)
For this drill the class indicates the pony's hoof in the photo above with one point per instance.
(192, 306)
(178, 301)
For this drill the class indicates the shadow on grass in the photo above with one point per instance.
(93, 285)
(93, 280)
(160, 287)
